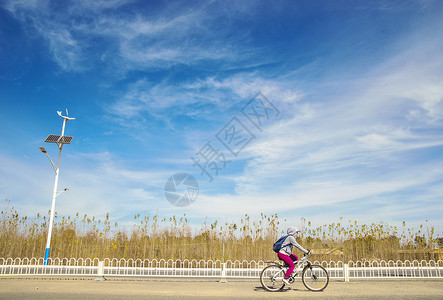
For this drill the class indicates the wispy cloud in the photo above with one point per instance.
(333, 151)
(97, 183)
(67, 51)
(375, 122)
(21, 182)
(208, 99)
(82, 32)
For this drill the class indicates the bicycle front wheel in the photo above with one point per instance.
(271, 278)
(315, 278)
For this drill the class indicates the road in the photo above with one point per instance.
(195, 289)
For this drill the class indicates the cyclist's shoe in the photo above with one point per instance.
(286, 281)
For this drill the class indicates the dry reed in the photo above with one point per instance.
(151, 237)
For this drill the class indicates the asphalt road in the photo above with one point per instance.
(167, 288)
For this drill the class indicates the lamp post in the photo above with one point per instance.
(60, 140)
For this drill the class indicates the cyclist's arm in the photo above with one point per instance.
(294, 242)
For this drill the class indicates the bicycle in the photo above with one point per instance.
(314, 277)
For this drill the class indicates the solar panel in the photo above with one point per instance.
(66, 139)
(53, 138)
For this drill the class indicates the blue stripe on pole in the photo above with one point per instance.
(46, 256)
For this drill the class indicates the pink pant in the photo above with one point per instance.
(289, 259)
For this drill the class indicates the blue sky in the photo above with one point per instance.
(358, 86)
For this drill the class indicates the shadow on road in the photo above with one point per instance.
(284, 290)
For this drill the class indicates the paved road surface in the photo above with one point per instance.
(196, 289)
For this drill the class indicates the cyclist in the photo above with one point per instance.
(285, 253)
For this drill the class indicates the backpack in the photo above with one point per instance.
(279, 244)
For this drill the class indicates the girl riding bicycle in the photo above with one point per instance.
(285, 252)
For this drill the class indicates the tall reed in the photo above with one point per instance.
(172, 238)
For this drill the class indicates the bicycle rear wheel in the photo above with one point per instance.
(315, 278)
(271, 278)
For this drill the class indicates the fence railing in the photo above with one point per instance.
(208, 268)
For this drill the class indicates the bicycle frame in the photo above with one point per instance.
(301, 264)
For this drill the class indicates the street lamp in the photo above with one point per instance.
(60, 140)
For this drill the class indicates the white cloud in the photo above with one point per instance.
(24, 185)
(180, 36)
(200, 99)
(97, 186)
(67, 51)
(339, 144)
(376, 141)
(305, 193)
(341, 137)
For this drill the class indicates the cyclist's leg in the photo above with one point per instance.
(287, 259)
(294, 257)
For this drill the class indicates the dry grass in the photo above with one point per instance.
(248, 239)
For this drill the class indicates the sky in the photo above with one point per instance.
(307, 109)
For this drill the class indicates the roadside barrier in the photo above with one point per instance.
(208, 268)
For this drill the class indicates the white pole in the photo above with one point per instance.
(100, 271)
(63, 128)
(54, 193)
(346, 272)
(223, 274)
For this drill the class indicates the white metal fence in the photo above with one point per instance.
(208, 268)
